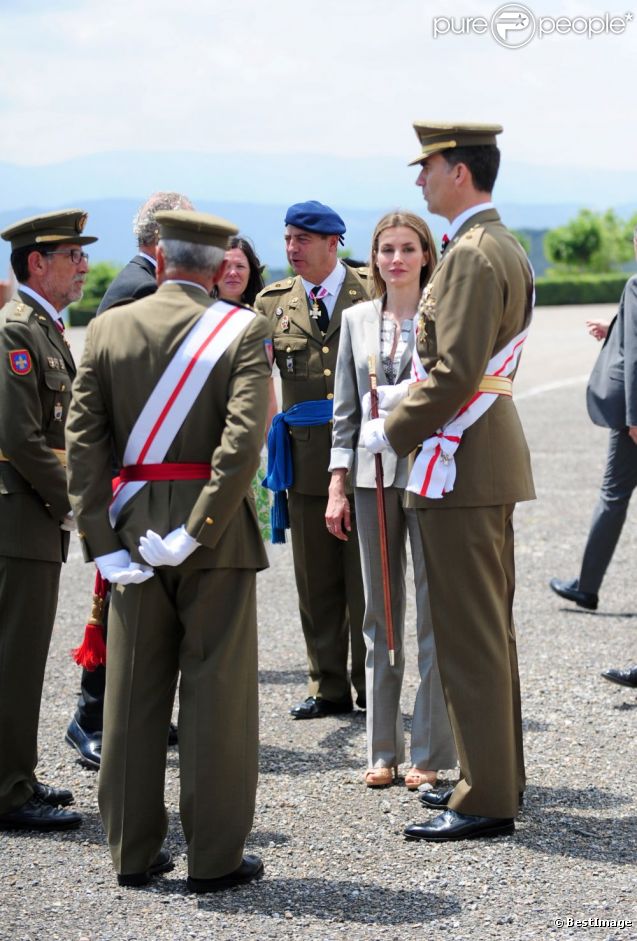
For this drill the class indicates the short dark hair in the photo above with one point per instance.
(20, 259)
(255, 281)
(483, 163)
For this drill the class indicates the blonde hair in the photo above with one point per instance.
(411, 221)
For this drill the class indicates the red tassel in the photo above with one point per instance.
(92, 651)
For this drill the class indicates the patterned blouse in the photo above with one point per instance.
(388, 330)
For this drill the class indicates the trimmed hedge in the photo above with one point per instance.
(580, 289)
(79, 317)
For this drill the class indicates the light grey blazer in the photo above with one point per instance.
(360, 338)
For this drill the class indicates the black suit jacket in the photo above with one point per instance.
(135, 280)
(611, 396)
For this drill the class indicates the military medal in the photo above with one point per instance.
(58, 411)
(279, 311)
(289, 363)
(285, 324)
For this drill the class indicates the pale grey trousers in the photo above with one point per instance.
(432, 744)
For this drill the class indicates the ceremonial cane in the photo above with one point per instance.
(382, 516)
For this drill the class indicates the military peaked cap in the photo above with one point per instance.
(436, 137)
(202, 228)
(65, 225)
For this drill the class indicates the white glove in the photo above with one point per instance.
(373, 436)
(116, 567)
(68, 524)
(388, 398)
(173, 549)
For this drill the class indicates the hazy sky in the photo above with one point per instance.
(343, 77)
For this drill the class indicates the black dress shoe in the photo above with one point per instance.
(163, 863)
(623, 677)
(250, 869)
(437, 799)
(36, 815)
(54, 796)
(314, 708)
(87, 744)
(172, 735)
(450, 825)
(570, 591)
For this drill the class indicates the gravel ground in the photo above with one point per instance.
(336, 862)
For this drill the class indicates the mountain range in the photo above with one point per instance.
(255, 190)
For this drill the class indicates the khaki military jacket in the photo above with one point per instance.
(307, 363)
(479, 298)
(127, 350)
(36, 372)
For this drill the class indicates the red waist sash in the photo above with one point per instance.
(164, 471)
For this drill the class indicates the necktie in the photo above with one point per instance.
(318, 310)
(444, 243)
(59, 326)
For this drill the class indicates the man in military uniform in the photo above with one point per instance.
(36, 372)
(136, 280)
(187, 430)
(473, 319)
(304, 313)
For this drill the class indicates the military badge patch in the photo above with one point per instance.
(20, 361)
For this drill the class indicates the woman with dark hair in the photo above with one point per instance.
(403, 257)
(242, 280)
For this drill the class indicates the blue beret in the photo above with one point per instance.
(315, 217)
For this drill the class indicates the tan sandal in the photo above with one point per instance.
(415, 777)
(380, 777)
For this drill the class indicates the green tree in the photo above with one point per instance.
(98, 279)
(591, 242)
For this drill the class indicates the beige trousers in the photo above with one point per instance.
(470, 565)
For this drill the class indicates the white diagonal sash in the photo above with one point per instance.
(176, 391)
(434, 471)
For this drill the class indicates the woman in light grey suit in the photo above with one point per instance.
(402, 259)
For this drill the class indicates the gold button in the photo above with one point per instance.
(326, 349)
(209, 521)
(289, 349)
(62, 387)
(327, 372)
(330, 395)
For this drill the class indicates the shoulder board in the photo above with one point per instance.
(474, 234)
(17, 310)
(278, 286)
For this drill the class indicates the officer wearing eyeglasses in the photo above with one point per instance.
(36, 372)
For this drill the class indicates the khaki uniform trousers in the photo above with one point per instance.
(432, 744)
(470, 566)
(202, 623)
(331, 599)
(28, 602)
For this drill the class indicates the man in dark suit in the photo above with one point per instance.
(36, 372)
(611, 399)
(136, 280)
